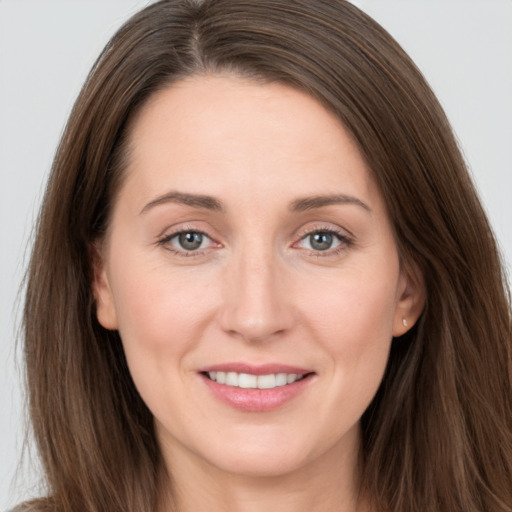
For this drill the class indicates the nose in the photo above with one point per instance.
(256, 301)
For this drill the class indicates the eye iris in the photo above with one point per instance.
(321, 241)
(190, 241)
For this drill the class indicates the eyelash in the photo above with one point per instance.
(345, 242)
(164, 242)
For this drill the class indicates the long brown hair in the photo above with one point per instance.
(437, 437)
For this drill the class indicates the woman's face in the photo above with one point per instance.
(251, 270)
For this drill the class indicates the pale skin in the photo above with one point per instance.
(296, 264)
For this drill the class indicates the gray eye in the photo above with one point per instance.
(190, 241)
(321, 241)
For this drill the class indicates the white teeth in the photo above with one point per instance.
(291, 377)
(231, 379)
(267, 381)
(281, 379)
(249, 381)
(246, 380)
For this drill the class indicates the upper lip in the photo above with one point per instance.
(255, 369)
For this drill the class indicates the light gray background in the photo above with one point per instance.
(464, 47)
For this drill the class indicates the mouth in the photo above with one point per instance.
(256, 388)
(251, 381)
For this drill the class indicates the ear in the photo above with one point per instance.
(105, 307)
(411, 299)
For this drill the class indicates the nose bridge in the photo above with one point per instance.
(255, 305)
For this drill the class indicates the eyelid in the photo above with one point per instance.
(166, 236)
(345, 238)
(324, 228)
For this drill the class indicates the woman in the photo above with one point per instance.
(262, 279)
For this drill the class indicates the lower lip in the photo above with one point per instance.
(256, 400)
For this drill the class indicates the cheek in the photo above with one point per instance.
(161, 321)
(160, 313)
(354, 311)
(353, 322)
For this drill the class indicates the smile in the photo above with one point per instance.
(250, 381)
(256, 388)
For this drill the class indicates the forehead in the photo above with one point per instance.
(207, 134)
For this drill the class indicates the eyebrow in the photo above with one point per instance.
(193, 200)
(210, 203)
(313, 202)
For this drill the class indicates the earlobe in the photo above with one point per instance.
(411, 301)
(104, 300)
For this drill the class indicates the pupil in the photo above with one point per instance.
(321, 241)
(191, 241)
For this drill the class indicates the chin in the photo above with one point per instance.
(256, 464)
(279, 454)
